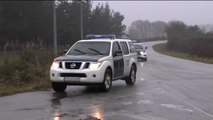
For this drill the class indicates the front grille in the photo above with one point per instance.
(72, 65)
(73, 75)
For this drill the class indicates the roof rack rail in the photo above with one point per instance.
(104, 36)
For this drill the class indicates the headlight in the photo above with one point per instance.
(143, 53)
(95, 65)
(55, 64)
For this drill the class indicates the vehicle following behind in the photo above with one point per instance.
(141, 50)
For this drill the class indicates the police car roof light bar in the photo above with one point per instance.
(93, 36)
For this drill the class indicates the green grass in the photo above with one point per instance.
(11, 88)
(24, 72)
(161, 48)
(29, 87)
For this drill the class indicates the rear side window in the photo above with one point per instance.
(132, 48)
(124, 48)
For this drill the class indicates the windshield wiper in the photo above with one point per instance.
(95, 51)
(79, 51)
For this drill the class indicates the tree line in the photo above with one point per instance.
(192, 39)
(145, 30)
(29, 24)
(189, 39)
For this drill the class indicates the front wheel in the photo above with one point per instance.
(130, 80)
(59, 87)
(107, 82)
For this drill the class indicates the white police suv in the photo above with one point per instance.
(97, 60)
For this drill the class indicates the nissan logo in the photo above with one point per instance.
(73, 65)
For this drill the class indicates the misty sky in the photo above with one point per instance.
(190, 12)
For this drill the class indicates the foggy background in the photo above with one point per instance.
(190, 12)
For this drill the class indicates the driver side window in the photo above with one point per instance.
(115, 48)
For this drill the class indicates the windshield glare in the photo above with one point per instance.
(92, 48)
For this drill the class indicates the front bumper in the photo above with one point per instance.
(142, 56)
(81, 76)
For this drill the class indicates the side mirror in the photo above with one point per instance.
(118, 53)
(65, 51)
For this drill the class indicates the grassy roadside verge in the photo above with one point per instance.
(6, 90)
(25, 71)
(161, 48)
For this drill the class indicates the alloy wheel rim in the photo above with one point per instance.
(133, 76)
(107, 81)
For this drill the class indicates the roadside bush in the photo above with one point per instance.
(189, 39)
(202, 46)
(28, 66)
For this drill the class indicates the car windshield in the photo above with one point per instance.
(138, 46)
(92, 48)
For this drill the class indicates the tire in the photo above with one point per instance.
(107, 82)
(130, 80)
(145, 59)
(59, 87)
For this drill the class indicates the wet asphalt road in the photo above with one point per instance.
(167, 88)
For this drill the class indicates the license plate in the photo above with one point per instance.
(71, 79)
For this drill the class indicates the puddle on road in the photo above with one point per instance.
(91, 118)
(92, 113)
(97, 113)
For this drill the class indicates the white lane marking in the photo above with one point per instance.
(145, 102)
(193, 106)
(140, 93)
(190, 72)
(138, 102)
(127, 103)
(142, 79)
(177, 107)
(124, 96)
(160, 90)
(142, 64)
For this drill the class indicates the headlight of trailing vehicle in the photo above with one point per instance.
(55, 64)
(142, 53)
(95, 65)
